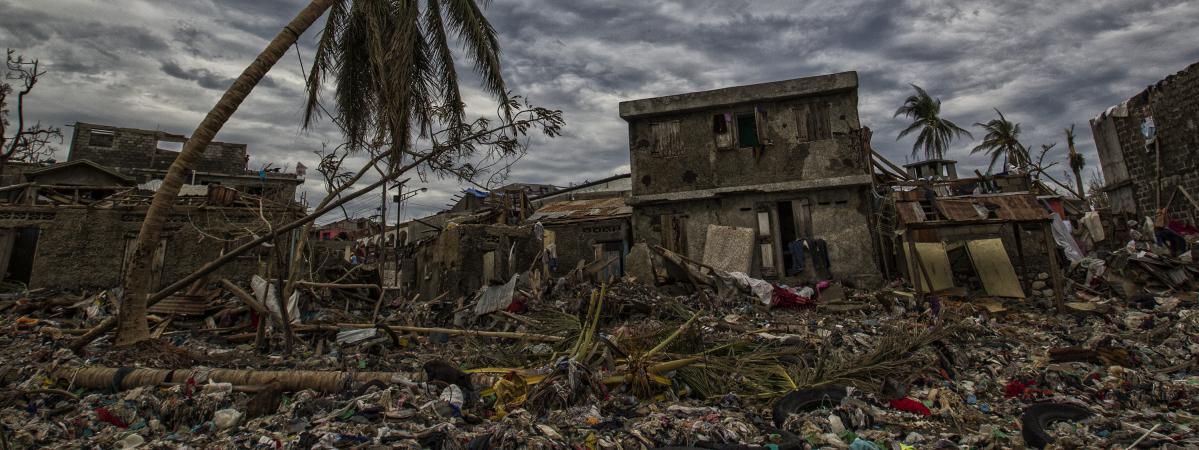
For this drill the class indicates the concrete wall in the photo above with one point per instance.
(839, 216)
(787, 157)
(1174, 105)
(80, 248)
(453, 264)
(810, 151)
(138, 149)
(575, 241)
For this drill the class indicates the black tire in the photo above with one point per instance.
(805, 400)
(1041, 415)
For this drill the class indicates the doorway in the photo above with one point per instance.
(18, 246)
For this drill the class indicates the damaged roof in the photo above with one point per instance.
(1009, 207)
(590, 209)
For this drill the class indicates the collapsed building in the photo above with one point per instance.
(768, 179)
(777, 181)
(1147, 146)
(71, 225)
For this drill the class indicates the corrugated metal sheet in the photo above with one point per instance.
(600, 208)
(1004, 207)
(909, 212)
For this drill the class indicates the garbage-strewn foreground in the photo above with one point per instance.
(569, 363)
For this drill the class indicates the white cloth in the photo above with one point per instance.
(1061, 235)
(1090, 222)
(761, 288)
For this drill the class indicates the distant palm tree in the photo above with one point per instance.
(1077, 162)
(935, 132)
(1002, 141)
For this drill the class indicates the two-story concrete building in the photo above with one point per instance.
(146, 155)
(783, 159)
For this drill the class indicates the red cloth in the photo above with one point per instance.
(785, 298)
(1182, 228)
(107, 416)
(1025, 389)
(1015, 388)
(910, 405)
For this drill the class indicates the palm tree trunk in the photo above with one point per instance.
(131, 315)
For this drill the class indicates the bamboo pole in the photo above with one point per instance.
(337, 285)
(96, 377)
(429, 330)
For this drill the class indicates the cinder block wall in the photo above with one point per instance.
(138, 149)
(83, 249)
(1174, 105)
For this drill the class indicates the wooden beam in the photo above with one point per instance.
(337, 285)
(1188, 197)
(902, 173)
(909, 238)
(428, 330)
(1055, 270)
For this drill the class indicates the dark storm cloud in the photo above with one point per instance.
(1047, 66)
(203, 77)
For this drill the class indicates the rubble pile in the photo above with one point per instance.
(621, 366)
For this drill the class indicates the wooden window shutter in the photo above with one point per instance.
(818, 122)
(801, 123)
(666, 139)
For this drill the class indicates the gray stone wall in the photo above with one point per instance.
(83, 249)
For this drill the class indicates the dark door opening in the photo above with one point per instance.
(610, 251)
(23, 248)
(787, 234)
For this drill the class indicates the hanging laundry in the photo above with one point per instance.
(796, 248)
(819, 250)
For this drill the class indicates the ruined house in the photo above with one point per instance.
(71, 225)
(1147, 146)
(587, 224)
(778, 162)
(145, 155)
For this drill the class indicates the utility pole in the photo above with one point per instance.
(399, 199)
(382, 232)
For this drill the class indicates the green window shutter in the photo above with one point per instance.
(747, 130)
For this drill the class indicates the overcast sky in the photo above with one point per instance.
(162, 64)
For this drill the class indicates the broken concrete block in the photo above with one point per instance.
(639, 264)
(729, 248)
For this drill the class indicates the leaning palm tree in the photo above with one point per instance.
(1002, 141)
(389, 58)
(936, 132)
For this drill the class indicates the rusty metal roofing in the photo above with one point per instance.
(590, 209)
(1016, 207)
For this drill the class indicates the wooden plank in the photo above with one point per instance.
(1055, 270)
(184, 305)
(916, 282)
(935, 260)
(994, 268)
(1188, 196)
